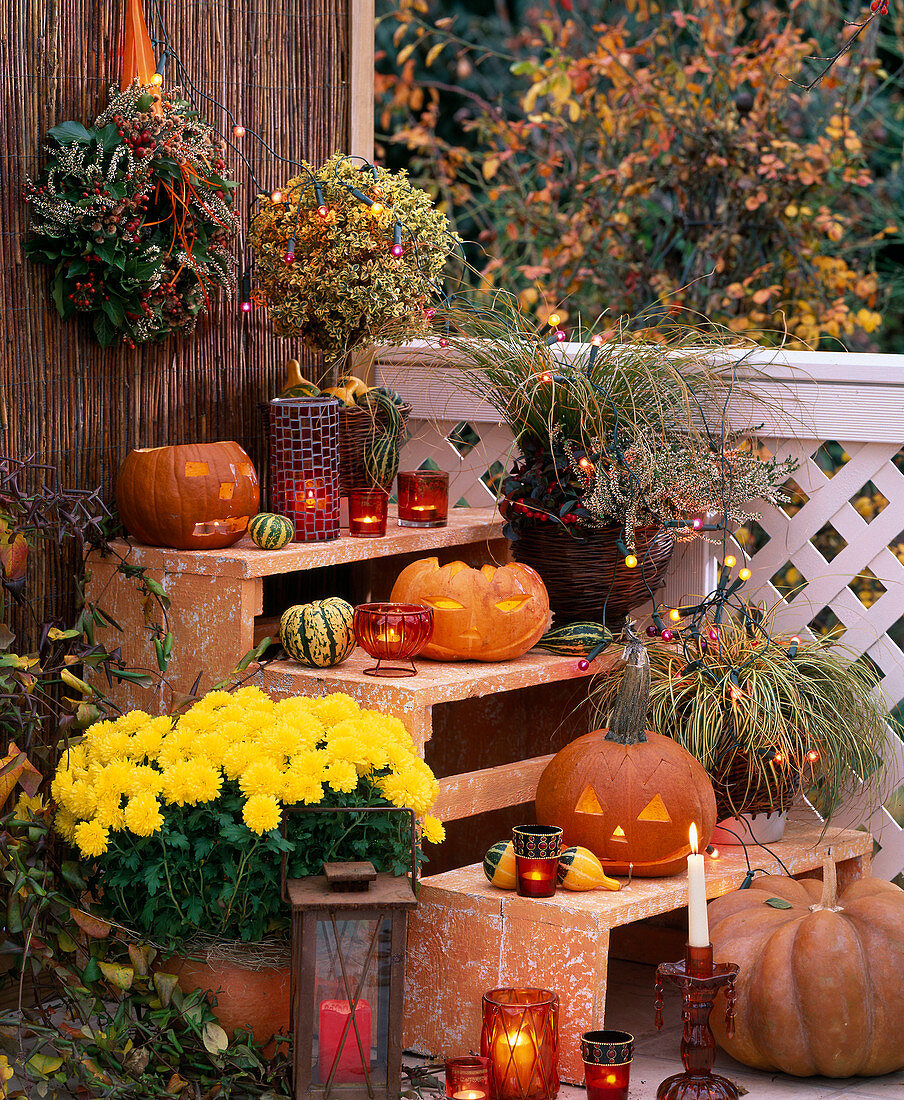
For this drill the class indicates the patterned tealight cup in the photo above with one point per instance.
(537, 850)
(607, 1059)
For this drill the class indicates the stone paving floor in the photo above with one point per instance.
(629, 1007)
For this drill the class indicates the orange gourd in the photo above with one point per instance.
(486, 614)
(194, 496)
(628, 794)
(820, 989)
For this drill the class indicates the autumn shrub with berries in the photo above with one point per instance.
(135, 218)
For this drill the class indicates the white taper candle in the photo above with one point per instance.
(697, 919)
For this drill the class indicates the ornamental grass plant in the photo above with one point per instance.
(767, 714)
(179, 818)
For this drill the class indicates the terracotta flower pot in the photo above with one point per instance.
(246, 1000)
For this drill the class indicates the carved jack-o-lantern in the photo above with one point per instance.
(627, 794)
(194, 496)
(486, 614)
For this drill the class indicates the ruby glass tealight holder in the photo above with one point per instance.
(520, 1036)
(537, 849)
(423, 498)
(393, 633)
(607, 1057)
(468, 1078)
(367, 513)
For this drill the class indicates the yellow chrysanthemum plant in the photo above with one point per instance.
(181, 817)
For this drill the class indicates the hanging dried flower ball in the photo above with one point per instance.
(134, 217)
(367, 250)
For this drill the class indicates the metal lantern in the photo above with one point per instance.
(349, 927)
(304, 465)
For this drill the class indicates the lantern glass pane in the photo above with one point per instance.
(353, 969)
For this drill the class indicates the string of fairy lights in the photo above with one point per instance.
(693, 628)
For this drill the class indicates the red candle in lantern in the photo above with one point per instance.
(304, 465)
(536, 859)
(468, 1078)
(337, 1027)
(423, 498)
(367, 513)
(607, 1057)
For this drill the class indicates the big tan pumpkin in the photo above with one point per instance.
(820, 989)
(486, 614)
(628, 794)
(194, 496)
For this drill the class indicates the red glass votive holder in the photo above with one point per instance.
(392, 632)
(537, 849)
(367, 513)
(607, 1059)
(423, 498)
(520, 1037)
(468, 1078)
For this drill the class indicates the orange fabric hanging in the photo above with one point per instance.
(137, 52)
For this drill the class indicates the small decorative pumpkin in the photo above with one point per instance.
(499, 865)
(820, 988)
(270, 531)
(627, 794)
(194, 496)
(486, 614)
(576, 640)
(318, 634)
(580, 870)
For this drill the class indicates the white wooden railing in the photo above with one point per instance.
(837, 551)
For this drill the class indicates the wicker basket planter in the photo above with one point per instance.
(355, 427)
(740, 789)
(585, 572)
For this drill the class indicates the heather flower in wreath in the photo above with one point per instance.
(134, 217)
(346, 250)
(180, 817)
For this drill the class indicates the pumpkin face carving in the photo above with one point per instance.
(486, 614)
(627, 794)
(194, 496)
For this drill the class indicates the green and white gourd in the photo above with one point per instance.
(318, 634)
(576, 640)
(270, 531)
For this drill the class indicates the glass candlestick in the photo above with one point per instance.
(699, 980)
(423, 498)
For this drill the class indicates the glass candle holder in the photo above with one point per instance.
(468, 1078)
(520, 1037)
(423, 498)
(607, 1059)
(304, 465)
(537, 849)
(367, 513)
(393, 632)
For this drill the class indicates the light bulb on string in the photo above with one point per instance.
(553, 320)
(157, 79)
(675, 615)
(745, 574)
(631, 561)
(289, 257)
(276, 197)
(778, 758)
(238, 131)
(323, 210)
(730, 561)
(696, 523)
(376, 209)
(397, 250)
(812, 755)
(667, 635)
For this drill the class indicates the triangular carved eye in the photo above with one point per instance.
(654, 810)
(619, 834)
(443, 603)
(513, 603)
(588, 803)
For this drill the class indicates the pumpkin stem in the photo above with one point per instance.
(829, 885)
(629, 714)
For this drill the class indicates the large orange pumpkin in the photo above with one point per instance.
(628, 794)
(486, 614)
(194, 496)
(820, 989)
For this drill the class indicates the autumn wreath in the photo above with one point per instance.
(134, 217)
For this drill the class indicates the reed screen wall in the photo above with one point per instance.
(282, 68)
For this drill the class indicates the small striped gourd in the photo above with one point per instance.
(579, 869)
(576, 640)
(382, 404)
(318, 634)
(499, 865)
(381, 460)
(270, 531)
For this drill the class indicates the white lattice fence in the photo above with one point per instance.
(836, 552)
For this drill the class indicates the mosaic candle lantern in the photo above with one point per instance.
(304, 465)
(392, 632)
(423, 498)
(520, 1036)
(348, 959)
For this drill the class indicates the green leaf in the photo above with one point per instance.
(104, 330)
(68, 132)
(44, 1064)
(778, 903)
(521, 68)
